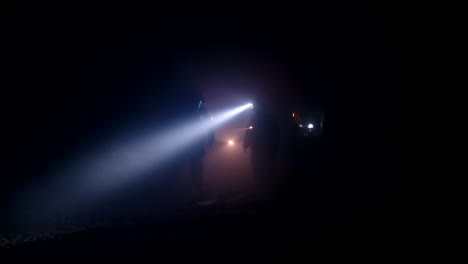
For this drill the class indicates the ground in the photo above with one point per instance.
(207, 233)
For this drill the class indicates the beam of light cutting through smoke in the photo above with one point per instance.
(107, 170)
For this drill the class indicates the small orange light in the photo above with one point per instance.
(250, 127)
(293, 114)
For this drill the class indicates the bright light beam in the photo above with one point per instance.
(110, 169)
(135, 158)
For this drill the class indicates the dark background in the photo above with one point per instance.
(73, 74)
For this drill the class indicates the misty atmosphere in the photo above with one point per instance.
(200, 133)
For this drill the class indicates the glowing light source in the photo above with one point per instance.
(250, 127)
(293, 114)
(310, 126)
(110, 167)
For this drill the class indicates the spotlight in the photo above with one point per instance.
(110, 168)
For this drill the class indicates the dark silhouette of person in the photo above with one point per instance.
(198, 151)
(302, 156)
(262, 138)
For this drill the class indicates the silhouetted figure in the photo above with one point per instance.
(197, 153)
(292, 138)
(263, 140)
(302, 155)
